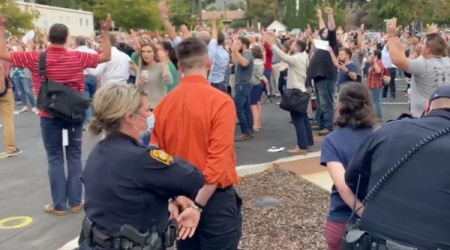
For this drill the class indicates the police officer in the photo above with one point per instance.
(402, 171)
(128, 186)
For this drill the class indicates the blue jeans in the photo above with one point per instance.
(220, 86)
(270, 91)
(23, 86)
(303, 130)
(63, 190)
(325, 101)
(242, 101)
(89, 91)
(376, 99)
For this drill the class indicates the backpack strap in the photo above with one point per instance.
(43, 64)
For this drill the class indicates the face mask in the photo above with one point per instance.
(151, 123)
(144, 132)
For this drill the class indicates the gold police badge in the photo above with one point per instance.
(161, 156)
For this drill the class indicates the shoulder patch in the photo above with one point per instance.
(161, 156)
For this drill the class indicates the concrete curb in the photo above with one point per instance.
(258, 168)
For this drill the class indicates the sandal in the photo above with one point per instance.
(50, 208)
(77, 209)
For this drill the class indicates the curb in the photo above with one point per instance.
(258, 168)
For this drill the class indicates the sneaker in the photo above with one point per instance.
(14, 153)
(78, 208)
(324, 132)
(49, 208)
(24, 109)
(35, 110)
(297, 151)
(243, 137)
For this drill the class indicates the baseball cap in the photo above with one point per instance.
(442, 92)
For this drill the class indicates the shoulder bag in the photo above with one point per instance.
(60, 100)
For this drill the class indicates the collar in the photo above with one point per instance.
(445, 113)
(121, 136)
(194, 79)
(55, 48)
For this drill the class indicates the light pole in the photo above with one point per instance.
(225, 8)
(200, 12)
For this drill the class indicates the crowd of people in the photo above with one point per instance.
(167, 109)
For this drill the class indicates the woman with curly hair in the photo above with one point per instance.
(354, 124)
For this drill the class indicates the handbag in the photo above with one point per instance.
(4, 91)
(385, 77)
(295, 101)
(60, 100)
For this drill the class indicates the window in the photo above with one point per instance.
(81, 21)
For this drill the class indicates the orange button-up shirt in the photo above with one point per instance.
(196, 122)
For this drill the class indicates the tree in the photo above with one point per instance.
(212, 7)
(19, 21)
(263, 11)
(233, 6)
(242, 5)
(180, 12)
(291, 19)
(129, 14)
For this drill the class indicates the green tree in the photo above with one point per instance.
(263, 11)
(19, 21)
(291, 19)
(212, 7)
(242, 5)
(180, 12)
(128, 14)
(233, 6)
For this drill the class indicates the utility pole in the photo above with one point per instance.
(225, 8)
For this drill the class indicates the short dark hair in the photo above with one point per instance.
(80, 41)
(377, 53)
(245, 41)
(167, 46)
(347, 51)
(301, 45)
(58, 34)
(220, 38)
(355, 110)
(257, 52)
(112, 39)
(437, 44)
(191, 53)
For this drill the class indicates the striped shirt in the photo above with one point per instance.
(63, 66)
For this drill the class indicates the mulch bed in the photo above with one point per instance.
(298, 223)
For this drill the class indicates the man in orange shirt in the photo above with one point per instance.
(196, 122)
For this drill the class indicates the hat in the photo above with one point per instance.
(441, 92)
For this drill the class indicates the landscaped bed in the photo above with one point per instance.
(297, 223)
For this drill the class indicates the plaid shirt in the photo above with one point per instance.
(374, 81)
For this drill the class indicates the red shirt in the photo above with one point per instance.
(196, 122)
(269, 56)
(374, 80)
(62, 66)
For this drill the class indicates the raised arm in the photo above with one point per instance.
(4, 53)
(164, 10)
(320, 18)
(106, 43)
(396, 50)
(331, 23)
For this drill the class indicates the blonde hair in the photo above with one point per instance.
(111, 104)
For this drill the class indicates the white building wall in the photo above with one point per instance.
(80, 23)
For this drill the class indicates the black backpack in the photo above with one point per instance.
(59, 100)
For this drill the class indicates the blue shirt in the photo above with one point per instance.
(340, 146)
(220, 60)
(343, 76)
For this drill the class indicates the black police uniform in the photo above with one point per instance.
(128, 183)
(411, 207)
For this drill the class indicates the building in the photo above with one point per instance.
(227, 16)
(79, 22)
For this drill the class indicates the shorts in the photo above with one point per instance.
(255, 95)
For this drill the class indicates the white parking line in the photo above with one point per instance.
(70, 245)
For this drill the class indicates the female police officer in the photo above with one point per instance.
(127, 185)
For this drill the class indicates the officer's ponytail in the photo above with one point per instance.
(95, 126)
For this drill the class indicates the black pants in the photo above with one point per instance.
(282, 81)
(391, 85)
(220, 226)
(220, 86)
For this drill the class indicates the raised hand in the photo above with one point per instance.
(163, 9)
(391, 27)
(107, 24)
(328, 10)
